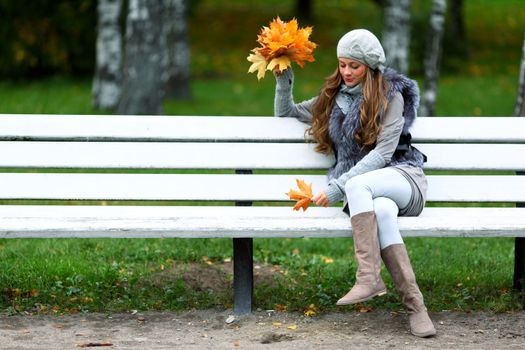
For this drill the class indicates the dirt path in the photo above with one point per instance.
(211, 329)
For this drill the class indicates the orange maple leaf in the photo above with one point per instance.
(303, 196)
(281, 43)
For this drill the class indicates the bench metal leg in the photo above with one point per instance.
(519, 259)
(242, 275)
(519, 266)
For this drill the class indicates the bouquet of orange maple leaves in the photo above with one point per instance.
(281, 43)
(303, 195)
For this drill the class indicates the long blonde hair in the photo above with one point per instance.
(375, 102)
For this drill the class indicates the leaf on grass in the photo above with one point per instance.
(281, 43)
(303, 195)
(327, 260)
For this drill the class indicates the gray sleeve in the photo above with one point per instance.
(284, 105)
(382, 153)
(391, 128)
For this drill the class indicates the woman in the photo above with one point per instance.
(363, 115)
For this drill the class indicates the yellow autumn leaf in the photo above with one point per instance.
(258, 64)
(309, 313)
(311, 310)
(281, 63)
(304, 187)
(303, 196)
(281, 43)
(327, 260)
(294, 327)
(362, 308)
(281, 307)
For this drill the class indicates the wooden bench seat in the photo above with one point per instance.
(236, 162)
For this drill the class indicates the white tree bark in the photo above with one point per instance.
(433, 57)
(108, 76)
(177, 59)
(143, 91)
(396, 34)
(519, 110)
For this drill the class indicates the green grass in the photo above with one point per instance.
(68, 275)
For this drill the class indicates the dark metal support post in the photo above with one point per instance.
(242, 267)
(242, 275)
(519, 260)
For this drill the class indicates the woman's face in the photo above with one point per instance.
(352, 71)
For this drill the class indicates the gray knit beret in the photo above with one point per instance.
(363, 46)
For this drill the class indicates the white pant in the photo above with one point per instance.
(383, 191)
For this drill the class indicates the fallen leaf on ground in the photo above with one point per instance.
(281, 307)
(311, 310)
(362, 308)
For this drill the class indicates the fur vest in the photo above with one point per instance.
(342, 128)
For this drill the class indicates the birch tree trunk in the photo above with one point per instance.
(177, 56)
(396, 34)
(143, 91)
(433, 57)
(519, 110)
(108, 75)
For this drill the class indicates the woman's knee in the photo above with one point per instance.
(355, 185)
(385, 209)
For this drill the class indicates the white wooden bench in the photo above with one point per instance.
(198, 146)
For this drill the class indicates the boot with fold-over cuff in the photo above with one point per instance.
(366, 245)
(397, 262)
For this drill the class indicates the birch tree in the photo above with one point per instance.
(143, 91)
(519, 110)
(433, 57)
(108, 72)
(396, 34)
(177, 56)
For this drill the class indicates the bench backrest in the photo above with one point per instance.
(76, 157)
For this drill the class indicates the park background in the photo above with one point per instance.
(47, 62)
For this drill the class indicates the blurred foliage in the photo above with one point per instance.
(57, 37)
(42, 37)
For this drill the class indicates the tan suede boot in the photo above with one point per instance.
(398, 264)
(366, 245)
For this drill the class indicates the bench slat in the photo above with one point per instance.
(477, 156)
(190, 155)
(161, 155)
(206, 222)
(149, 128)
(262, 129)
(221, 187)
